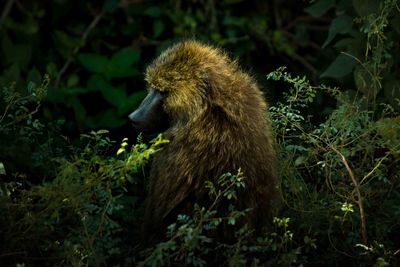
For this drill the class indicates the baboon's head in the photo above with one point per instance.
(185, 81)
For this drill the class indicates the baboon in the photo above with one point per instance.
(215, 117)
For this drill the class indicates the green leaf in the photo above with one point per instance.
(158, 28)
(125, 58)
(120, 64)
(120, 151)
(132, 102)
(319, 8)
(94, 83)
(66, 40)
(66, 43)
(340, 24)
(340, 67)
(389, 129)
(115, 96)
(28, 27)
(34, 76)
(366, 7)
(22, 55)
(51, 69)
(73, 80)
(79, 111)
(103, 131)
(344, 43)
(93, 62)
(153, 11)
(231, 221)
(110, 5)
(2, 169)
(354, 45)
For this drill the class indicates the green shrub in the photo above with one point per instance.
(340, 178)
(73, 218)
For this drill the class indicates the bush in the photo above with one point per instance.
(339, 178)
(74, 218)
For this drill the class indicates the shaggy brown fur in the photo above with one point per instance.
(218, 124)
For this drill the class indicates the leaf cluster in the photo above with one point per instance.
(339, 178)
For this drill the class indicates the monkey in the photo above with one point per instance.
(216, 120)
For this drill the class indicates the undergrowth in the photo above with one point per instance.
(340, 179)
(340, 189)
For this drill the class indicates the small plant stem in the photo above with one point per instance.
(6, 11)
(374, 169)
(7, 108)
(359, 200)
(19, 119)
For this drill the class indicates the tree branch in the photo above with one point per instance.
(358, 192)
(85, 34)
(6, 11)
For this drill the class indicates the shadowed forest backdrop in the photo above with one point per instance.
(72, 187)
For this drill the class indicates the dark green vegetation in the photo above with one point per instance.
(73, 199)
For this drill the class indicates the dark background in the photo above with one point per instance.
(77, 43)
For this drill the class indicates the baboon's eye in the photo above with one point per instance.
(163, 93)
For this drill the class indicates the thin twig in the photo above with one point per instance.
(305, 63)
(300, 19)
(212, 15)
(309, 43)
(126, 3)
(8, 254)
(6, 11)
(18, 119)
(85, 34)
(365, 68)
(103, 217)
(374, 169)
(358, 192)
(7, 108)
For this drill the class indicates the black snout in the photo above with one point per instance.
(150, 116)
(136, 120)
